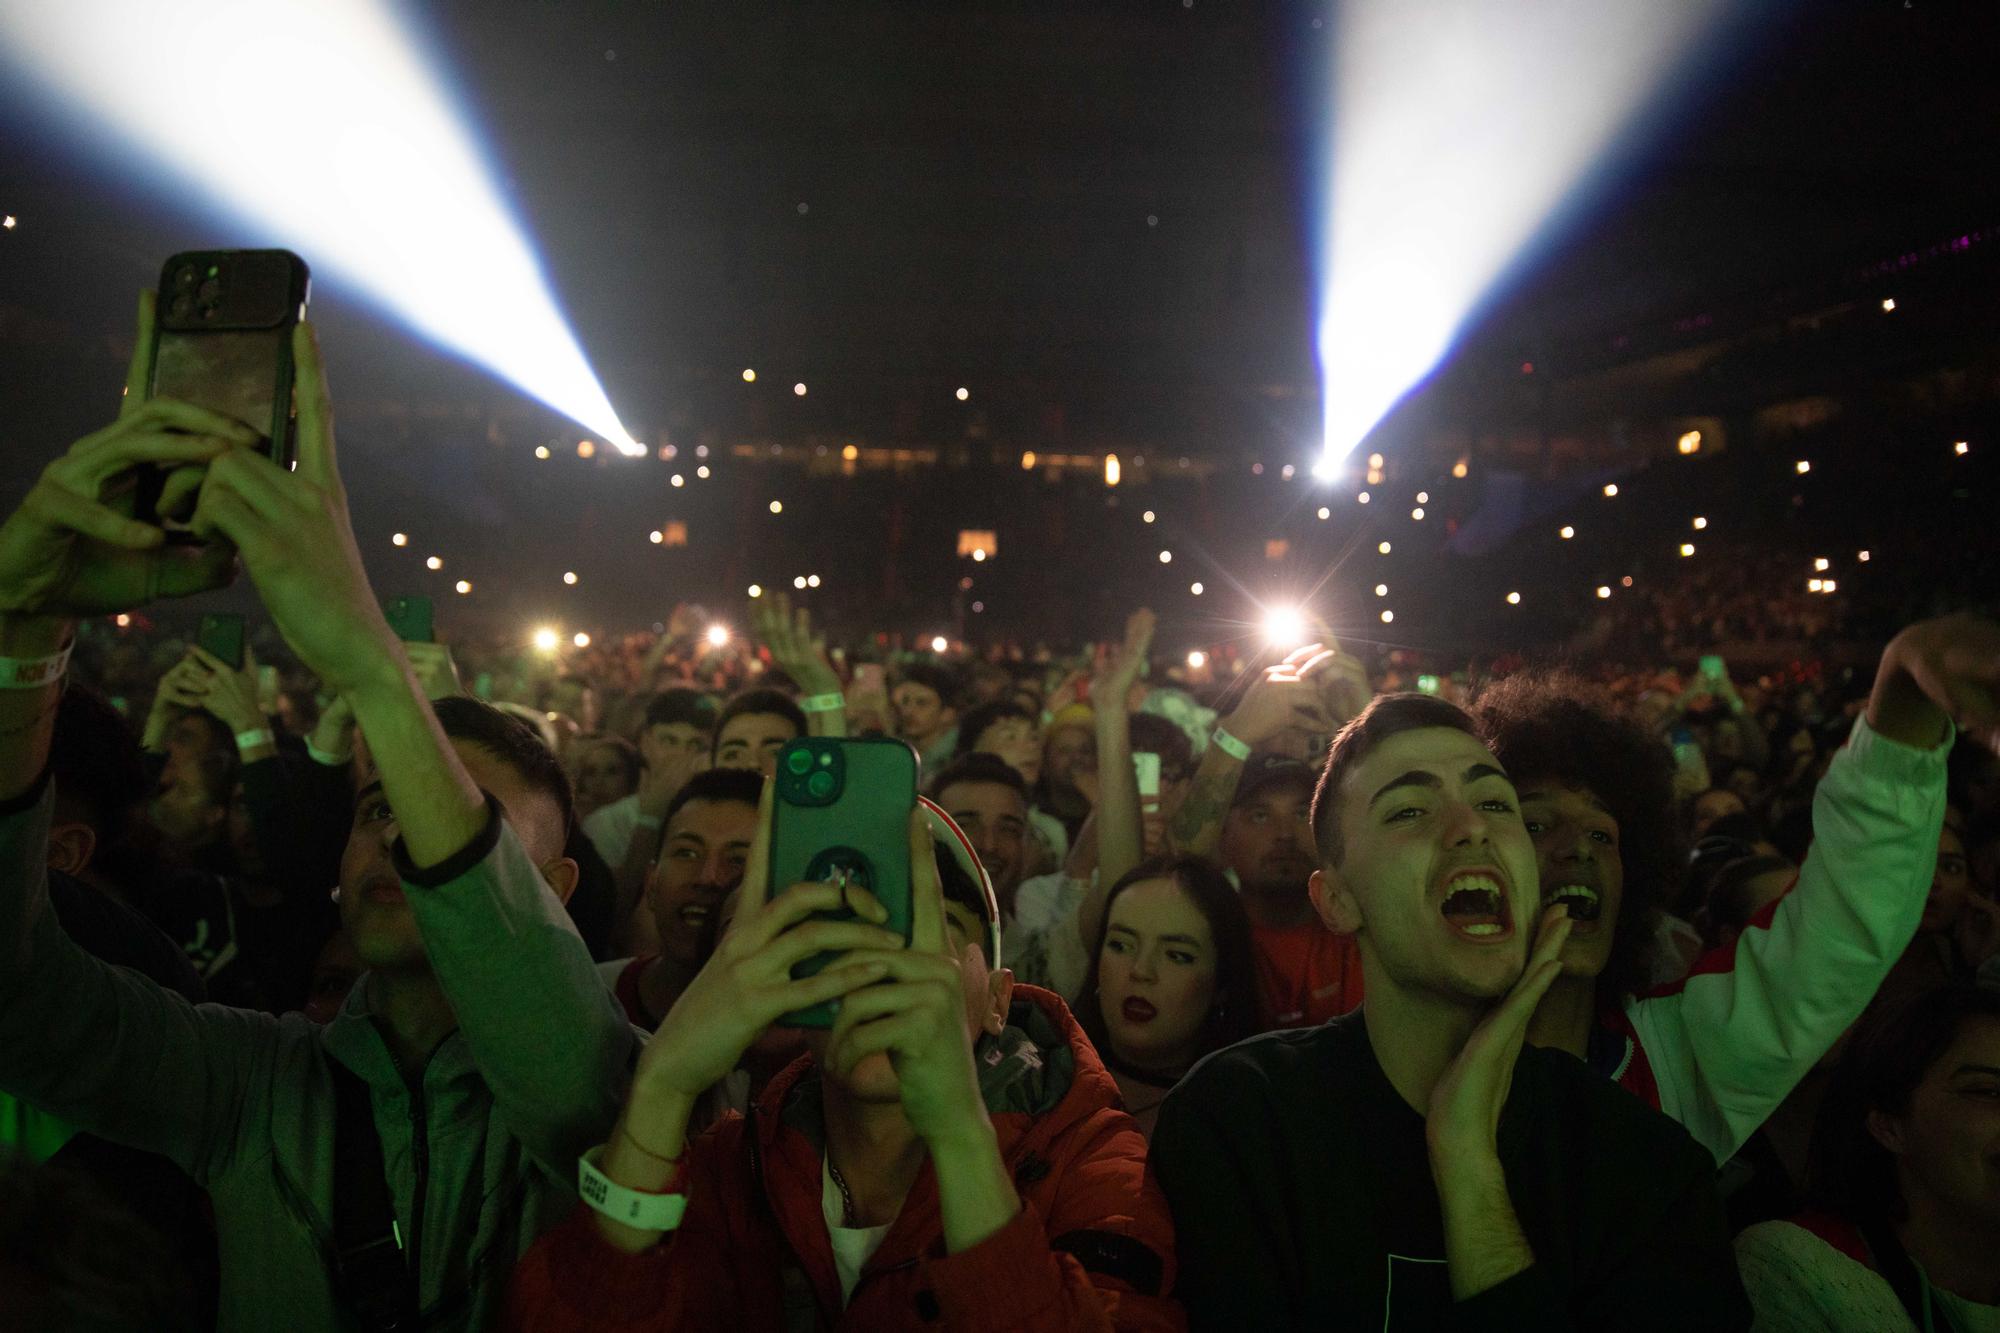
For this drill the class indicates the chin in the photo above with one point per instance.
(873, 1080)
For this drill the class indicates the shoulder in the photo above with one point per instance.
(1621, 1125)
(1795, 1279)
(1269, 1065)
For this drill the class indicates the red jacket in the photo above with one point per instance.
(1092, 1247)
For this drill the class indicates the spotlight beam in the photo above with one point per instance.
(318, 127)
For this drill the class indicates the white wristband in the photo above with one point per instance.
(633, 1208)
(31, 673)
(319, 756)
(256, 737)
(1229, 745)
(822, 703)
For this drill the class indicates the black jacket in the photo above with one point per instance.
(1302, 1198)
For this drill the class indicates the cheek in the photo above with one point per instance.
(1187, 993)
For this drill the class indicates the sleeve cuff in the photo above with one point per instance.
(1526, 1300)
(1894, 760)
(459, 862)
(1003, 1282)
(28, 799)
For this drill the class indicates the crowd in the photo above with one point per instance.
(1310, 993)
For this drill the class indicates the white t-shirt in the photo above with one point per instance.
(610, 828)
(853, 1247)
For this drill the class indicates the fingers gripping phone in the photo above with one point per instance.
(222, 636)
(841, 808)
(222, 339)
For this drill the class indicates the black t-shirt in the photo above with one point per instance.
(1302, 1198)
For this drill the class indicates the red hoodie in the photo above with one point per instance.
(1092, 1247)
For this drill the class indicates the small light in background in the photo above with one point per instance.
(1417, 514)
(939, 644)
(756, 590)
(677, 480)
(462, 587)
(963, 394)
(1388, 616)
(1423, 497)
(978, 554)
(585, 449)
(399, 539)
(1513, 599)
(1375, 461)
(702, 472)
(1325, 513)
(978, 607)
(1961, 448)
(1197, 660)
(1828, 586)
(1147, 517)
(777, 506)
(1284, 627)
(1802, 467)
(569, 577)
(1814, 585)
(123, 620)
(1626, 581)
(545, 639)
(1374, 476)
(1888, 305)
(1862, 556)
(580, 639)
(749, 375)
(1689, 442)
(1381, 590)
(799, 388)
(1821, 564)
(718, 635)
(541, 451)
(1382, 549)
(798, 580)
(1700, 523)
(10, 222)
(850, 452)
(1610, 489)
(812, 580)
(1362, 498)
(1460, 468)
(1166, 557)
(435, 562)
(1195, 588)
(1027, 460)
(1287, 472)
(1687, 548)
(1567, 532)
(656, 536)
(1112, 471)
(1603, 590)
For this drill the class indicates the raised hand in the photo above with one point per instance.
(795, 649)
(73, 548)
(1120, 671)
(1287, 697)
(1939, 670)
(435, 670)
(228, 693)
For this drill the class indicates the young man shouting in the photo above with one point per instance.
(1412, 1166)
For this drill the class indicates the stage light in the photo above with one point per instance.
(10, 222)
(1821, 564)
(1458, 139)
(1284, 627)
(580, 639)
(1382, 548)
(1362, 498)
(541, 451)
(1961, 448)
(1888, 305)
(656, 536)
(1197, 660)
(978, 554)
(434, 562)
(1603, 590)
(398, 200)
(1417, 514)
(1862, 556)
(1388, 616)
(1146, 517)
(718, 635)
(978, 607)
(1325, 513)
(1567, 532)
(777, 506)
(756, 590)
(1610, 490)
(1166, 557)
(1828, 586)
(1689, 442)
(799, 581)
(812, 580)
(1374, 477)
(1423, 497)
(123, 619)
(1700, 523)
(1287, 472)
(1802, 467)
(1381, 590)
(1374, 462)
(1687, 548)
(749, 375)
(677, 480)
(462, 587)
(1460, 469)
(850, 452)
(1814, 585)
(569, 577)
(1513, 599)
(585, 449)
(399, 539)
(1027, 460)
(1112, 471)
(799, 389)
(702, 472)
(964, 394)
(939, 644)
(545, 640)
(1626, 581)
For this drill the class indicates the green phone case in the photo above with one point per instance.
(843, 803)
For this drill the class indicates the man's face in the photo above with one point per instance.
(920, 712)
(601, 778)
(752, 741)
(1576, 853)
(1949, 882)
(181, 807)
(1016, 740)
(1437, 874)
(995, 819)
(243, 837)
(1710, 806)
(1267, 840)
(1067, 751)
(373, 910)
(1947, 1147)
(701, 863)
(671, 744)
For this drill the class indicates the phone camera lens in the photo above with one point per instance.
(184, 276)
(799, 761)
(209, 291)
(180, 307)
(820, 785)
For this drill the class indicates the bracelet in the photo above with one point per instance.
(319, 756)
(31, 673)
(822, 703)
(255, 737)
(1229, 745)
(643, 1210)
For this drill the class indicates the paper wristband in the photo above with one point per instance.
(250, 740)
(822, 703)
(1229, 745)
(632, 1208)
(32, 673)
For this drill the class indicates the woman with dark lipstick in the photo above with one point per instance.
(1174, 978)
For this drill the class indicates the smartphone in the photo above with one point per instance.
(222, 339)
(222, 635)
(1713, 668)
(842, 807)
(1146, 765)
(1427, 684)
(871, 678)
(410, 617)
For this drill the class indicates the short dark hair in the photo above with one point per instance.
(688, 707)
(1554, 726)
(932, 677)
(772, 702)
(957, 885)
(96, 761)
(742, 785)
(1847, 1171)
(514, 743)
(1154, 734)
(629, 762)
(1235, 1014)
(975, 722)
(1728, 902)
(978, 767)
(1386, 715)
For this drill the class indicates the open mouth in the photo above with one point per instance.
(1582, 901)
(696, 916)
(1475, 905)
(383, 890)
(1137, 1010)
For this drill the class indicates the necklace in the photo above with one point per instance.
(848, 1217)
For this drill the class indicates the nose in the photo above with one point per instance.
(1463, 825)
(1144, 966)
(1576, 845)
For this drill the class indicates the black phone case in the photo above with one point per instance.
(859, 824)
(222, 636)
(251, 298)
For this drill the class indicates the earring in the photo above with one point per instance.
(334, 893)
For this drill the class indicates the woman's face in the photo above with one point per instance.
(1947, 1146)
(1156, 976)
(1016, 740)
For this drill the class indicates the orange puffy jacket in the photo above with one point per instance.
(1092, 1247)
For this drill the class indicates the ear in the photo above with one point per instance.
(949, 717)
(999, 1000)
(1886, 1130)
(561, 873)
(1335, 902)
(70, 847)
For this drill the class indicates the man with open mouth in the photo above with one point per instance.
(1414, 1164)
(1721, 1049)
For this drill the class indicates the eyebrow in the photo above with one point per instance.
(369, 789)
(1418, 777)
(1166, 939)
(1976, 1069)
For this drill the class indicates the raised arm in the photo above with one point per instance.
(801, 654)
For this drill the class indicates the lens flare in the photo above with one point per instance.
(1458, 133)
(1284, 627)
(356, 159)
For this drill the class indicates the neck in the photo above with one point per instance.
(1562, 1020)
(661, 984)
(1415, 1035)
(1955, 1253)
(1155, 1070)
(411, 1012)
(876, 1152)
(1275, 906)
